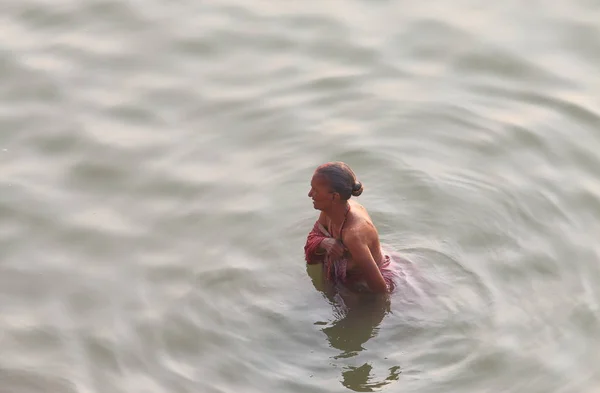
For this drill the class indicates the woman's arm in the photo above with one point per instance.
(356, 243)
(319, 244)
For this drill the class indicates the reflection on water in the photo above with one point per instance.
(359, 380)
(356, 320)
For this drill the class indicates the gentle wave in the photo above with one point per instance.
(155, 160)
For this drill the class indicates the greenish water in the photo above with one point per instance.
(155, 159)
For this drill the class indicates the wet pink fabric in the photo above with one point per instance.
(335, 270)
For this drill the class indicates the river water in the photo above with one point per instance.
(155, 159)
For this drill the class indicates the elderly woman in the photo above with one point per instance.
(344, 239)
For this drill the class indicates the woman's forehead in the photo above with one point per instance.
(319, 180)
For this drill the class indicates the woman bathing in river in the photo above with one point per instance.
(344, 238)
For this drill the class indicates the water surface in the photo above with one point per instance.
(154, 164)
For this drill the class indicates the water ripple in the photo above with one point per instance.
(155, 161)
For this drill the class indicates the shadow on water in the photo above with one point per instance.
(356, 321)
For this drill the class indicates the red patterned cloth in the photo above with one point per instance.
(335, 270)
(312, 245)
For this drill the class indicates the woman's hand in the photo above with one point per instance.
(333, 247)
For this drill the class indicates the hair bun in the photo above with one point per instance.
(357, 189)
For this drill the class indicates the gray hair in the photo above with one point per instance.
(341, 179)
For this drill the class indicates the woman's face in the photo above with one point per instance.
(320, 192)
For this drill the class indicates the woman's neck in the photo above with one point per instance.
(338, 213)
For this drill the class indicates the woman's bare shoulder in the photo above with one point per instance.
(360, 210)
(361, 227)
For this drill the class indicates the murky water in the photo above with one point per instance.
(154, 163)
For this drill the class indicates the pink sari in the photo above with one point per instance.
(335, 270)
